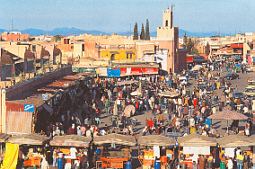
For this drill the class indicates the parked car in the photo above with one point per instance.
(249, 69)
(183, 80)
(238, 95)
(232, 76)
(250, 91)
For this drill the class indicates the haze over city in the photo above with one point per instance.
(228, 16)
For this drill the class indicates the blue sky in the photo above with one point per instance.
(226, 16)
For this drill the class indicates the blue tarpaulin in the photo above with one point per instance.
(113, 72)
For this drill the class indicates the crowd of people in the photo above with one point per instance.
(187, 111)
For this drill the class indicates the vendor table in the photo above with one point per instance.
(188, 163)
(113, 162)
(32, 161)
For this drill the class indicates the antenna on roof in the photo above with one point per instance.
(12, 25)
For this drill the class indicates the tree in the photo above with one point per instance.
(207, 49)
(147, 30)
(135, 37)
(185, 41)
(189, 45)
(142, 35)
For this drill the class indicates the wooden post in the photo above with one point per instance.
(3, 110)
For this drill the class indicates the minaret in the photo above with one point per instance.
(171, 16)
(168, 18)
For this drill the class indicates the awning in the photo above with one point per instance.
(195, 140)
(115, 139)
(233, 141)
(28, 139)
(156, 140)
(70, 141)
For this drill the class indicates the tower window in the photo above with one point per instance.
(166, 23)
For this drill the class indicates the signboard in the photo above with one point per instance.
(29, 108)
(197, 150)
(45, 97)
(113, 72)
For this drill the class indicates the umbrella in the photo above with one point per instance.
(129, 110)
(136, 93)
(170, 94)
(157, 140)
(115, 139)
(227, 114)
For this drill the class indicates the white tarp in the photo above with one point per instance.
(156, 151)
(197, 150)
(230, 152)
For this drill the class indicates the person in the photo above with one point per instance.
(44, 164)
(54, 157)
(247, 129)
(223, 162)
(84, 161)
(230, 163)
(60, 162)
(246, 161)
(240, 159)
(68, 164)
(201, 162)
(194, 165)
(73, 152)
(209, 162)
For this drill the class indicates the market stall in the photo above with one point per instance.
(3, 138)
(33, 143)
(193, 145)
(156, 150)
(113, 150)
(70, 148)
(231, 142)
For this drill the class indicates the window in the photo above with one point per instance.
(166, 23)
(33, 48)
(83, 47)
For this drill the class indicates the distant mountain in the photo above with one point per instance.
(181, 33)
(74, 31)
(2, 30)
(65, 31)
(34, 31)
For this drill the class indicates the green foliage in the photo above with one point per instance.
(185, 41)
(142, 35)
(135, 36)
(147, 30)
(207, 49)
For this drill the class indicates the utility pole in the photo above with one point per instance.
(12, 25)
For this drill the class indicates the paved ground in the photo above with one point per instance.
(240, 84)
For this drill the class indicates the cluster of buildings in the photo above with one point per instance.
(35, 70)
(24, 56)
(239, 45)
